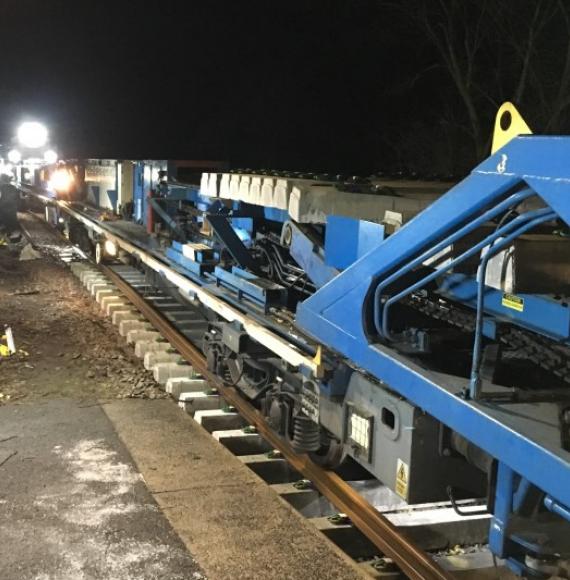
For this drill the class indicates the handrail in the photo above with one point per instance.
(382, 326)
(507, 203)
(546, 214)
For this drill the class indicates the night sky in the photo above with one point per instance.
(298, 84)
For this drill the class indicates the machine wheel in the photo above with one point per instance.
(99, 253)
(330, 455)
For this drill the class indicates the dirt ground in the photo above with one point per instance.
(66, 347)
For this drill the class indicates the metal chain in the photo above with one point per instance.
(540, 350)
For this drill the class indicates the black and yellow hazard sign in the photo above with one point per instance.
(402, 479)
(513, 302)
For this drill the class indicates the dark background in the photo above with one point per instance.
(353, 86)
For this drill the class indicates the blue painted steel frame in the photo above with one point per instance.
(311, 258)
(524, 442)
(541, 313)
(347, 239)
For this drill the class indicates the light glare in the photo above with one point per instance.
(110, 248)
(32, 134)
(61, 181)
(14, 156)
(50, 156)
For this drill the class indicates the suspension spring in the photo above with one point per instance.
(306, 435)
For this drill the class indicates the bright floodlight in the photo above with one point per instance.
(50, 156)
(110, 248)
(61, 180)
(32, 134)
(14, 156)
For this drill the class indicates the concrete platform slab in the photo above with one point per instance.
(232, 522)
(73, 505)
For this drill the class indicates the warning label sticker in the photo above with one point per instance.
(402, 479)
(513, 302)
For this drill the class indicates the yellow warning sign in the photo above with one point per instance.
(402, 479)
(512, 301)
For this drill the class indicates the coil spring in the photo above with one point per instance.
(306, 435)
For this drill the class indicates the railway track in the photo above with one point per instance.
(346, 509)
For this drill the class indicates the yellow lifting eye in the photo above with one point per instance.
(508, 125)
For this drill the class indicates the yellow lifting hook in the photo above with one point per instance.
(508, 125)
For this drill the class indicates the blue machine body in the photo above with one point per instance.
(543, 314)
(348, 239)
(523, 437)
(311, 258)
(348, 314)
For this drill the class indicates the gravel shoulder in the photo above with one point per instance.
(66, 347)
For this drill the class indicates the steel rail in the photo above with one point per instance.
(411, 559)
